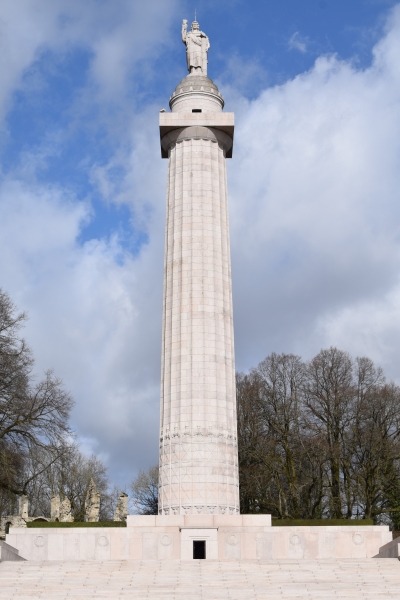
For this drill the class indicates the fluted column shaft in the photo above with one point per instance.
(198, 432)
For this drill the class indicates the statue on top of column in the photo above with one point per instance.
(197, 45)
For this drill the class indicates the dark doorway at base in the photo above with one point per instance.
(199, 549)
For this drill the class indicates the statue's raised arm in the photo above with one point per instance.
(197, 45)
(184, 30)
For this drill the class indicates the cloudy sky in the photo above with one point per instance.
(314, 189)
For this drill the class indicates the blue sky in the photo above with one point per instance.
(313, 183)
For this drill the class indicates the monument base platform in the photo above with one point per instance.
(212, 537)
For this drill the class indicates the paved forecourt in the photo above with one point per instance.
(316, 579)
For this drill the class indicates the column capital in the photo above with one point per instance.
(224, 122)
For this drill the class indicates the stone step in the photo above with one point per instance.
(201, 580)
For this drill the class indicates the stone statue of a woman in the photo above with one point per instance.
(197, 45)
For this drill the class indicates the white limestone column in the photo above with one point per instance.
(198, 425)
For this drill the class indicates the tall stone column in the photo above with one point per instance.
(198, 423)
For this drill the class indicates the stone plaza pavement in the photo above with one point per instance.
(201, 579)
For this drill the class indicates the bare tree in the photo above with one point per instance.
(145, 492)
(282, 465)
(69, 477)
(329, 398)
(32, 416)
(281, 378)
(376, 450)
(254, 475)
(319, 439)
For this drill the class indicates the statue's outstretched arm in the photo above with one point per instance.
(184, 30)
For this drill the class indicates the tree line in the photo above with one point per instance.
(319, 438)
(39, 455)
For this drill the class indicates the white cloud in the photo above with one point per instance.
(118, 35)
(314, 204)
(298, 42)
(368, 328)
(95, 316)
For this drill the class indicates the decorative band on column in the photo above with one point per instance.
(211, 431)
(197, 133)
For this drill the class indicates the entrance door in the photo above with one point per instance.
(199, 549)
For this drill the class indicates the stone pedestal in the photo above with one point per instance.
(235, 538)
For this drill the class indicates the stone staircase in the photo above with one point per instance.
(201, 579)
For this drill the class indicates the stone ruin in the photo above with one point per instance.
(92, 503)
(121, 510)
(23, 507)
(60, 510)
(19, 520)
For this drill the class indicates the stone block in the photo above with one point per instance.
(118, 545)
(134, 545)
(264, 546)
(228, 520)
(326, 544)
(141, 521)
(150, 546)
(170, 521)
(102, 545)
(169, 546)
(199, 520)
(55, 546)
(8, 553)
(224, 121)
(390, 550)
(256, 520)
(39, 544)
(231, 543)
(71, 546)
